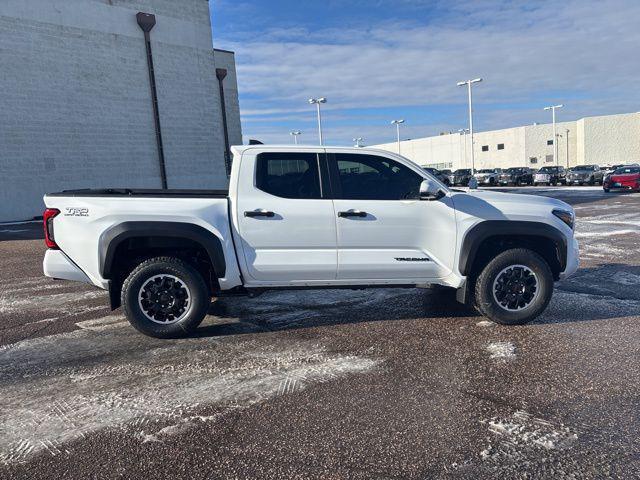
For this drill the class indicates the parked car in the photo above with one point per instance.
(625, 178)
(516, 176)
(585, 174)
(609, 170)
(550, 176)
(438, 174)
(461, 177)
(381, 220)
(488, 176)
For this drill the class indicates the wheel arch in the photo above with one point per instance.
(490, 237)
(151, 238)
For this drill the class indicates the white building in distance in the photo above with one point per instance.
(603, 140)
(77, 104)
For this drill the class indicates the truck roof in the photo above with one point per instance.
(239, 149)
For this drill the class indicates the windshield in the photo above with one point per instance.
(626, 170)
(513, 170)
(462, 171)
(486, 170)
(582, 168)
(547, 170)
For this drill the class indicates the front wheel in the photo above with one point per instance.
(514, 288)
(606, 190)
(165, 297)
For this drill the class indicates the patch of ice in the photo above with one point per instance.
(485, 323)
(521, 435)
(62, 387)
(504, 350)
(605, 233)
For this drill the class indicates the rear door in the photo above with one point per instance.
(384, 230)
(285, 217)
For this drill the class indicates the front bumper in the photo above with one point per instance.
(577, 179)
(573, 260)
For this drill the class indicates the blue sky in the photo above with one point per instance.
(379, 60)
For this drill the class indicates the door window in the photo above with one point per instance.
(369, 177)
(289, 175)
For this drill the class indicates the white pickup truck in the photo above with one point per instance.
(308, 217)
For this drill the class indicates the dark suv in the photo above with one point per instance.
(516, 176)
(461, 177)
(550, 176)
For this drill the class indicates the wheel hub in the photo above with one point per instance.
(164, 299)
(515, 288)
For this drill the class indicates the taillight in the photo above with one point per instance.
(47, 217)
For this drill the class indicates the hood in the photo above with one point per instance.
(622, 177)
(496, 205)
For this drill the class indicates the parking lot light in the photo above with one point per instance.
(295, 134)
(468, 83)
(357, 141)
(555, 137)
(397, 124)
(317, 102)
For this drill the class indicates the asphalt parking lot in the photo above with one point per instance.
(329, 384)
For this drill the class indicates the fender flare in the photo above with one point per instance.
(474, 237)
(112, 238)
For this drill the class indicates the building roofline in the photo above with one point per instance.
(224, 51)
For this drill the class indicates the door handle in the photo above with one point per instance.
(259, 213)
(352, 213)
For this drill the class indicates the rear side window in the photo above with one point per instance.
(369, 177)
(288, 175)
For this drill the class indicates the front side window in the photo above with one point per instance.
(288, 175)
(369, 177)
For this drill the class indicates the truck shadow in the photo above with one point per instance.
(276, 311)
(604, 292)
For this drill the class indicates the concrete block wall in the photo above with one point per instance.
(76, 103)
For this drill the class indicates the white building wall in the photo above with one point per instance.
(612, 139)
(603, 140)
(76, 103)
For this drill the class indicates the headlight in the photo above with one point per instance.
(566, 216)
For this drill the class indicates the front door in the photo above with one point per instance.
(285, 218)
(384, 230)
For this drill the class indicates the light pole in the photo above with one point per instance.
(464, 131)
(295, 134)
(567, 140)
(357, 141)
(397, 124)
(468, 83)
(317, 102)
(555, 138)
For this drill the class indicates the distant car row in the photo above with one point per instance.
(579, 175)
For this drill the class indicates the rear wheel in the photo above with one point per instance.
(165, 297)
(514, 288)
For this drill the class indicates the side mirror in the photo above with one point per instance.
(430, 190)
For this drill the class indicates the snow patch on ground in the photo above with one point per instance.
(62, 387)
(57, 302)
(485, 323)
(521, 435)
(501, 350)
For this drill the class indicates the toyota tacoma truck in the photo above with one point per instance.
(308, 218)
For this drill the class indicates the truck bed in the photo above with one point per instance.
(140, 192)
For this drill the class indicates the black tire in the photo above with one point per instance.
(534, 303)
(191, 310)
(535, 184)
(606, 190)
(592, 181)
